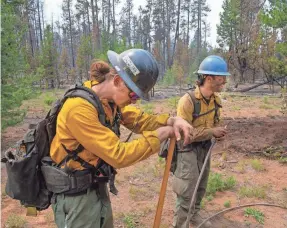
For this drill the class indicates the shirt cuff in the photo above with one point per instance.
(162, 119)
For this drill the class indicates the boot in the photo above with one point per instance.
(197, 219)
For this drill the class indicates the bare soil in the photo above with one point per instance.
(257, 134)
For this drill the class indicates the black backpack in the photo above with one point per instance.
(25, 180)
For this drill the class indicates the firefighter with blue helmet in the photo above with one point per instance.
(201, 108)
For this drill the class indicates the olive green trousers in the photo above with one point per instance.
(91, 209)
(187, 171)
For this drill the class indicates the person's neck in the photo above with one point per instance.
(206, 92)
(102, 90)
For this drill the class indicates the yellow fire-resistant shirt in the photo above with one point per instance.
(78, 123)
(203, 123)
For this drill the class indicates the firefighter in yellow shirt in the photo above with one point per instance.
(84, 146)
(201, 109)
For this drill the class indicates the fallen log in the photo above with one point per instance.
(260, 84)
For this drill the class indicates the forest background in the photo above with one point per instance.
(37, 55)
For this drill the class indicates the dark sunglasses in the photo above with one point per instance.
(132, 94)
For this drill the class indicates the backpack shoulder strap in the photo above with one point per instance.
(216, 115)
(196, 104)
(90, 96)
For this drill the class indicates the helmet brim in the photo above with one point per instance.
(115, 61)
(212, 73)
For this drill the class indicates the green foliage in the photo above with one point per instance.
(283, 160)
(265, 100)
(254, 191)
(48, 100)
(15, 221)
(172, 102)
(48, 56)
(12, 32)
(266, 106)
(229, 22)
(83, 57)
(273, 17)
(258, 215)
(147, 107)
(13, 93)
(202, 203)
(217, 183)
(168, 78)
(227, 203)
(129, 221)
(284, 101)
(257, 165)
(209, 197)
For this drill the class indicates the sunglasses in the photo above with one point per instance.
(132, 94)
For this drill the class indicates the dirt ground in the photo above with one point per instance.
(257, 138)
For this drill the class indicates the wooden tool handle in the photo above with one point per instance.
(164, 184)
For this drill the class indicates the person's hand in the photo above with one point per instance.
(181, 126)
(165, 133)
(219, 132)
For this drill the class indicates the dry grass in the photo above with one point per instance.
(15, 221)
(253, 191)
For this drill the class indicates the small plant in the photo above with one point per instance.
(240, 167)
(265, 100)
(236, 108)
(284, 101)
(229, 183)
(258, 192)
(15, 221)
(138, 193)
(147, 108)
(224, 156)
(217, 183)
(209, 197)
(129, 221)
(283, 160)
(3, 192)
(258, 215)
(266, 106)
(48, 100)
(227, 203)
(257, 165)
(172, 102)
(202, 203)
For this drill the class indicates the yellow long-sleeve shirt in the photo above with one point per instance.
(78, 123)
(204, 123)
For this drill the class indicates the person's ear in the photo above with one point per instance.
(118, 82)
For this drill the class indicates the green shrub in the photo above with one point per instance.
(217, 183)
(48, 100)
(257, 165)
(13, 93)
(172, 102)
(258, 215)
(227, 203)
(129, 221)
(254, 191)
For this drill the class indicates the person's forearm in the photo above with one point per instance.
(202, 134)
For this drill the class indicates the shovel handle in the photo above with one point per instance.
(164, 184)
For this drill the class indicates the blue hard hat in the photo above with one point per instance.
(138, 69)
(213, 65)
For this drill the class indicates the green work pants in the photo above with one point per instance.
(91, 209)
(189, 165)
